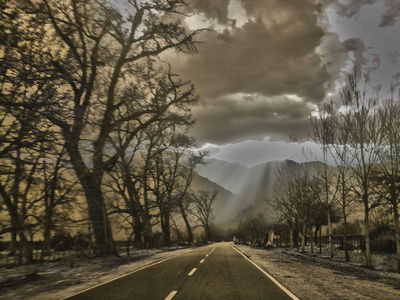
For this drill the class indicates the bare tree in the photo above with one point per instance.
(24, 136)
(180, 173)
(337, 181)
(58, 189)
(345, 199)
(347, 203)
(284, 203)
(355, 118)
(253, 228)
(303, 189)
(323, 135)
(202, 202)
(19, 183)
(98, 55)
(388, 172)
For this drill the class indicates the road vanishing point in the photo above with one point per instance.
(216, 271)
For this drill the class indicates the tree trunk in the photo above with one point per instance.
(165, 227)
(148, 234)
(138, 230)
(320, 240)
(188, 228)
(98, 216)
(14, 246)
(46, 249)
(91, 184)
(368, 258)
(271, 238)
(25, 249)
(312, 243)
(345, 245)
(330, 233)
(291, 238)
(128, 243)
(317, 228)
(397, 234)
(303, 240)
(208, 232)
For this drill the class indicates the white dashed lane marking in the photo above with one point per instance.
(171, 295)
(191, 272)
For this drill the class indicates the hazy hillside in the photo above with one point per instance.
(228, 175)
(252, 184)
(226, 206)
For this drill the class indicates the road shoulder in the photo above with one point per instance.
(313, 280)
(58, 281)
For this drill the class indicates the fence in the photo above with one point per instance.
(69, 252)
(354, 241)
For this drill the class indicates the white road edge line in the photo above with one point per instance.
(289, 293)
(191, 272)
(142, 268)
(202, 261)
(207, 254)
(171, 295)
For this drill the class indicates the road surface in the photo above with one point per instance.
(216, 271)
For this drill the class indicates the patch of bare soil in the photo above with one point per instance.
(312, 277)
(60, 279)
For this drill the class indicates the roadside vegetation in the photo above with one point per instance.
(94, 129)
(350, 200)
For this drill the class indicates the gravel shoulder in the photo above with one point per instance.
(312, 277)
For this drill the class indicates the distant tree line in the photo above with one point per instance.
(92, 119)
(360, 141)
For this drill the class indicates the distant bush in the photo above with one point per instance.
(62, 241)
(352, 228)
(4, 245)
(382, 239)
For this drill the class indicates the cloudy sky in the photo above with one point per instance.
(269, 63)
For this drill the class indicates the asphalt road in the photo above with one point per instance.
(216, 271)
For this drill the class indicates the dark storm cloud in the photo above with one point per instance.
(391, 13)
(254, 58)
(351, 8)
(357, 46)
(237, 116)
(271, 55)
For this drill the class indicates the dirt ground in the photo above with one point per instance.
(312, 277)
(307, 276)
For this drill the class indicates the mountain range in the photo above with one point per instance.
(241, 188)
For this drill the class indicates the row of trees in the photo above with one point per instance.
(360, 139)
(299, 199)
(362, 135)
(88, 111)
